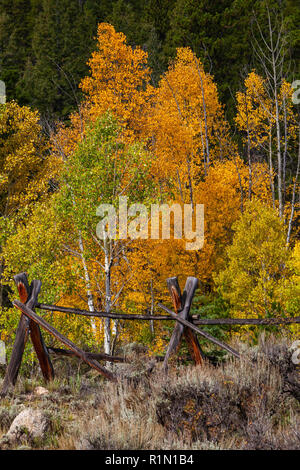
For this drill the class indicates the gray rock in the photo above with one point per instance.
(30, 422)
(136, 348)
(39, 391)
(84, 444)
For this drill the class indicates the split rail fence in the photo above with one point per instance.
(185, 326)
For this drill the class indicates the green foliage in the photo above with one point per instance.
(6, 229)
(100, 170)
(212, 306)
(62, 41)
(257, 259)
(34, 248)
(48, 248)
(17, 19)
(24, 171)
(291, 286)
(22, 159)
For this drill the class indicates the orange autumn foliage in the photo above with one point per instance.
(119, 81)
(187, 126)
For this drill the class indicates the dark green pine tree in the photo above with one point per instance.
(62, 42)
(221, 34)
(291, 14)
(44, 46)
(16, 27)
(145, 24)
(157, 14)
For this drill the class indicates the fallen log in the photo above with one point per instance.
(77, 351)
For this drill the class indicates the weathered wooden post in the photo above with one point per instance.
(28, 295)
(182, 305)
(77, 351)
(201, 332)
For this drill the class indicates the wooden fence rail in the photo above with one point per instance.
(196, 319)
(185, 326)
(99, 314)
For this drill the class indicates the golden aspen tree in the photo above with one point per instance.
(252, 277)
(187, 126)
(119, 81)
(25, 168)
(269, 127)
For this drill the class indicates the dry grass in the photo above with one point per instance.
(248, 404)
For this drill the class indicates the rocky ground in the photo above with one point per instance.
(252, 403)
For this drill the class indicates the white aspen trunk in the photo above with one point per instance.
(205, 123)
(284, 152)
(294, 196)
(271, 167)
(279, 162)
(203, 149)
(152, 308)
(241, 186)
(204, 112)
(90, 299)
(277, 119)
(116, 335)
(107, 267)
(248, 150)
(190, 181)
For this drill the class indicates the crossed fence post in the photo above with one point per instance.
(30, 323)
(28, 296)
(182, 305)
